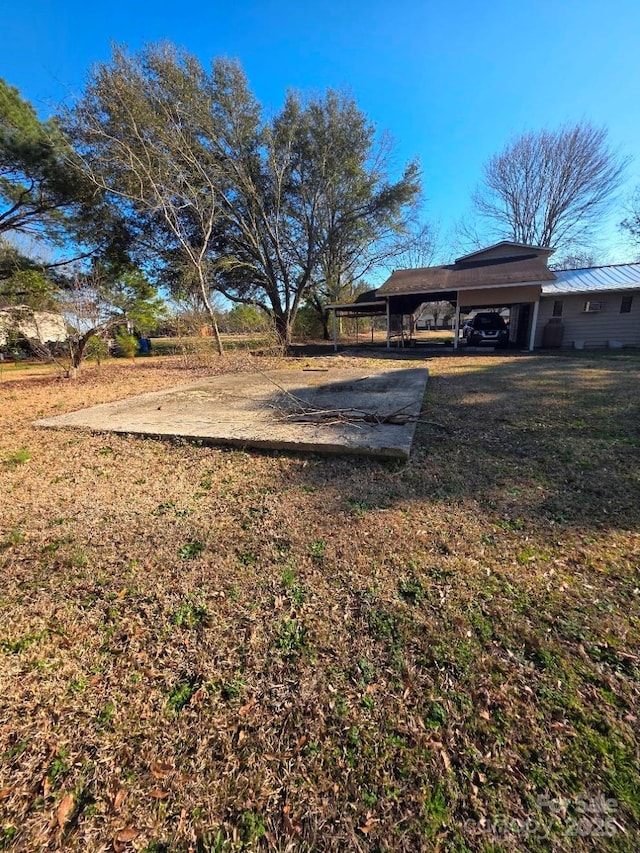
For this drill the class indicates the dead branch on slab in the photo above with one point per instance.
(295, 409)
(308, 413)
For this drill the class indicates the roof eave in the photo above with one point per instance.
(590, 291)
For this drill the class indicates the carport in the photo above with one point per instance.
(507, 274)
(366, 305)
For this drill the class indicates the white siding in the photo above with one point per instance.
(597, 329)
(44, 326)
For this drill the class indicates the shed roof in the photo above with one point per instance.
(594, 280)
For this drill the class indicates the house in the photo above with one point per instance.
(583, 308)
(597, 307)
(42, 326)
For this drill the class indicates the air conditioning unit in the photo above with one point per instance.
(592, 307)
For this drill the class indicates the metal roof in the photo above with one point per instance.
(594, 279)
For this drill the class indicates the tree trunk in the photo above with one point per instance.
(324, 319)
(207, 303)
(323, 316)
(216, 333)
(283, 330)
(77, 352)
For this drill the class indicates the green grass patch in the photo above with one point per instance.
(190, 550)
(291, 639)
(18, 457)
(191, 613)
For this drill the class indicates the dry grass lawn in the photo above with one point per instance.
(204, 649)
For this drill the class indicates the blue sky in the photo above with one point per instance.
(451, 81)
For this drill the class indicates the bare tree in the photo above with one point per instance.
(631, 223)
(574, 261)
(92, 305)
(144, 130)
(419, 248)
(551, 187)
(441, 311)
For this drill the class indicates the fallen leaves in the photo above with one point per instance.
(160, 769)
(124, 836)
(158, 794)
(297, 751)
(244, 709)
(118, 800)
(442, 752)
(64, 810)
(127, 834)
(291, 825)
(369, 824)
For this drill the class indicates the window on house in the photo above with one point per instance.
(557, 308)
(625, 305)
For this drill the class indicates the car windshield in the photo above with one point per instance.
(488, 321)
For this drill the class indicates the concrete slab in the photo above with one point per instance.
(357, 411)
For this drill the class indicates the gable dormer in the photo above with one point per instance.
(505, 249)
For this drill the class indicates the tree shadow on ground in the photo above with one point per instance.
(550, 439)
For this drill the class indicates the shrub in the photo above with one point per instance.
(127, 343)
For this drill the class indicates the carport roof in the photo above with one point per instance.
(366, 303)
(490, 272)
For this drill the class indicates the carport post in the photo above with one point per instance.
(456, 324)
(388, 323)
(534, 323)
(335, 330)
